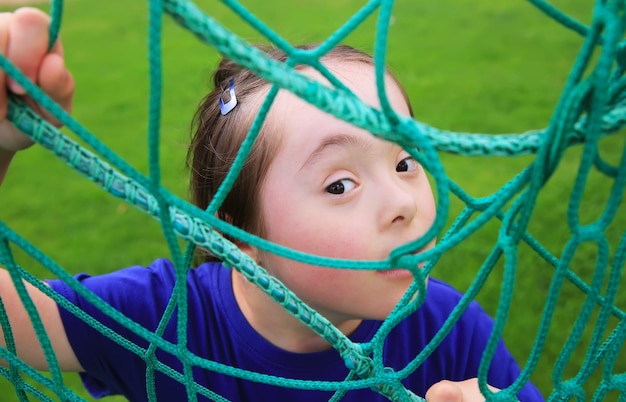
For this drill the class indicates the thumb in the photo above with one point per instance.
(444, 391)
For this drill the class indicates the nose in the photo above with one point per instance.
(398, 203)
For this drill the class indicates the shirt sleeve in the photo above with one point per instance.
(131, 292)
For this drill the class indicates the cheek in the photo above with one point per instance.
(427, 203)
(294, 222)
(301, 230)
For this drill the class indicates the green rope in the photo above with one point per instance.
(592, 105)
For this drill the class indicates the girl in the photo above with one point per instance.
(312, 183)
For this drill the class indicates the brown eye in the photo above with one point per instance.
(406, 165)
(340, 186)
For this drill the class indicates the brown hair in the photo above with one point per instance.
(216, 139)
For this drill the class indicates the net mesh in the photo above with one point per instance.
(591, 106)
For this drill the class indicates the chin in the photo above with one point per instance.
(383, 312)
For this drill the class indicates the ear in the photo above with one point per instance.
(251, 251)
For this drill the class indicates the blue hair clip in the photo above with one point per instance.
(225, 108)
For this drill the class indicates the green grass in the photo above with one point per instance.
(489, 67)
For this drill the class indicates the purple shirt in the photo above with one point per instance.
(218, 331)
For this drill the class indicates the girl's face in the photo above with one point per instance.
(335, 190)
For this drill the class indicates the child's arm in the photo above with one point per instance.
(24, 41)
(27, 345)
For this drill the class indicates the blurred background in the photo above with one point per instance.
(481, 67)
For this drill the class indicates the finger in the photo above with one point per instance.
(56, 80)
(5, 20)
(28, 43)
(444, 391)
(57, 48)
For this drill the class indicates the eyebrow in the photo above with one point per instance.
(336, 141)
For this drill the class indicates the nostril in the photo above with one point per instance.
(398, 219)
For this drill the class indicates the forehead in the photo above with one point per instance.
(360, 78)
(292, 115)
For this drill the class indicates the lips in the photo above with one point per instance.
(396, 273)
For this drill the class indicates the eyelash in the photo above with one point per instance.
(338, 187)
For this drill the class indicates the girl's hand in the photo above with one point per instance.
(24, 41)
(461, 391)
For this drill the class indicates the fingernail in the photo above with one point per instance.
(15, 87)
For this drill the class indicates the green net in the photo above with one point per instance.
(591, 106)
